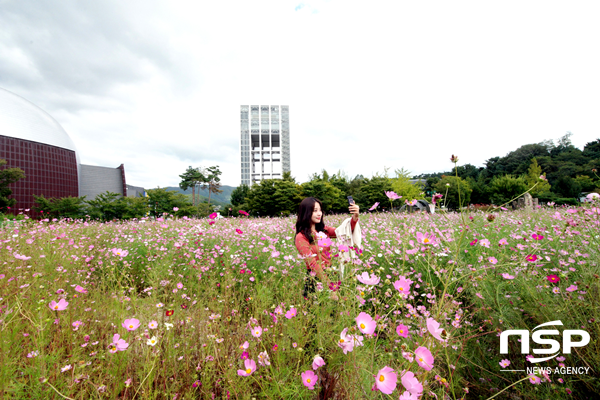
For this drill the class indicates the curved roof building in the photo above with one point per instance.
(30, 139)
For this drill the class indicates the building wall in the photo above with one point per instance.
(264, 142)
(96, 180)
(50, 171)
(135, 191)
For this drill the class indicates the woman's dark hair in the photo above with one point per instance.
(305, 211)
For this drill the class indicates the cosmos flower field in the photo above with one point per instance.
(214, 308)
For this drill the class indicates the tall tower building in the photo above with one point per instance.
(264, 142)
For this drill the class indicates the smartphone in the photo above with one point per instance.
(350, 200)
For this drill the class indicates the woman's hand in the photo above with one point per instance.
(354, 208)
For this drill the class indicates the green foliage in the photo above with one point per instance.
(506, 188)
(533, 179)
(587, 184)
(372, 191)
(8, 176)
(66, 207)
(331, 197)
(212, 181)
(566, 186)
(273, 197)
(162, 201)
(238, 196)
(190, 179)
(451, 187)
(403, 187)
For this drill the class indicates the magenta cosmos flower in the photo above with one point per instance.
(238, 231)
(535, 236)
(365, 323)
(243, 212)
(309, 379)
(386, 379)
(403, 285)
(424, 358)
(531, 257)
(131, 324)
(402, 330)
(411, 383)
(60, 306)
(434, 328)
(213, 215)
(250, 368)
(553, 278)
(368, 280)
(318, 362)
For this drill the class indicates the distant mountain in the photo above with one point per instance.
(222, 198)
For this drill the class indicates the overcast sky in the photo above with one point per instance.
(158, 86)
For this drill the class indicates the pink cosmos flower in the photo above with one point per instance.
(426, 238)
(60, 306)
(403, 285)
(504, 363)
(245, 345)
(507, 276)
(386, 379)
(571, 288)
(257, 331)
(120, 252)
(309, 379)
(250, 368)
(408, 396)
(263, 359)
(175, 209)
(291, 313)
(411, 203)
(346, 342)
(484, 243)
(238, 231)
(80, 289)
(334, 286)
(502, 242)
(392, 196)
(473, 243)
(245, 355)
(213, 215)
(434, 328)
(493, 260)
(411, 384)
(535, 236)
(402, 330)
(531, 257)
(131, 324)
(364, 278)
(535, 379)
(153, 325)
(424, 358)
(118, 344)
(76, 325)
(318, 362)
(374, 206)
(553, 278)
(365, 323)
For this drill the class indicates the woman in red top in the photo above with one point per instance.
(310, 221)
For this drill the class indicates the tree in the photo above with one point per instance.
(8, 176)
(212, 180)
(567, 186)
(273, 197)
(450, 187)
(238, 196)
(190, 179)
(403, 187)
(331, 197)
(373, 190)
(506, 188)
(533, 177)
